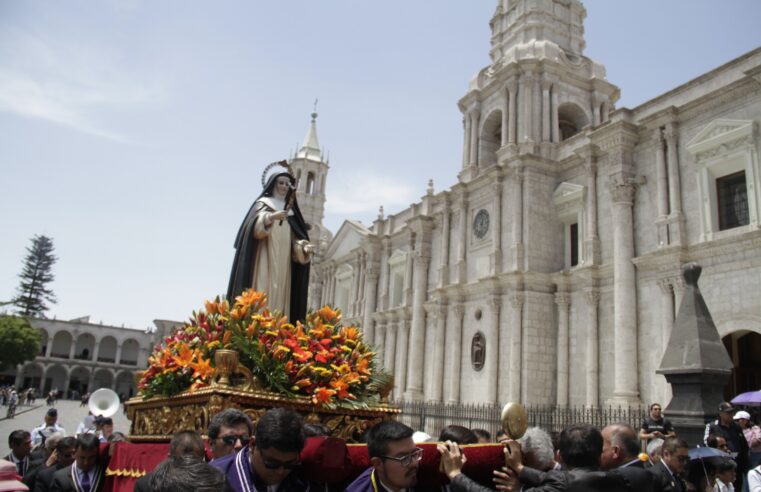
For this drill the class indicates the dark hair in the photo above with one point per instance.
(671, 444)
(581, 446)
(458, 434)
(229, 418)
(712, 441)
(623, 435)
(66, 443)
(87, 442)
(482, 434)
(379, 436)
(500, 433)
(281, 429)
(316, 430)
(17, 437)
(187, 474)
(654, 404)
(725, 464)
(186, 443)
(116, 437)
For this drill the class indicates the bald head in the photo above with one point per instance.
(620, 445)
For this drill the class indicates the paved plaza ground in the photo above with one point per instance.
(70, 414)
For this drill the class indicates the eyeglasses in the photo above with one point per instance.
(231, 439)
(271, 464)
(407, 459)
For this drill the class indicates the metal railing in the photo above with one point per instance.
(432, 417)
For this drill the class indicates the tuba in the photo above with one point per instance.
(103, 402)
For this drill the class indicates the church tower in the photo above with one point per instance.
(311, 169)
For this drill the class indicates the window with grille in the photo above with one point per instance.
(732, 201)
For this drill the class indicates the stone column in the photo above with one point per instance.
(454, 353)
(444, 260)
(536, 110)
(379, 340)
(592, 363)
(492, 359)
(390, 352)
(438, 354)
(512, 88)
(41, 388)
(661, 176)
(518, 219)
(466, 140)
(417, 333)
(49, 347)
(462, 272)
(354, 295)
(555, 116)
(675, 189)
(516, 346)
(371, 287)
(19, 382)
(591, 240)
(546, 118)
(525, 120)
(625, 385)
(95, 351)
(475, 116)
(118, 358)
(496, 228)
(408, 278)
(400, 369)
(505, 118)
(384, 274)
(563, 300)
(73, 348)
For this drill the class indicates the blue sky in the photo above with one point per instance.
(134, 133)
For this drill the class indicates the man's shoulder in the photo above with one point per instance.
(224, 463)
(363, 483)
(64, 472)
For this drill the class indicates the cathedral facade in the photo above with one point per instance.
(550, 273)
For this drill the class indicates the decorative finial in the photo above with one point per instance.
(314, 111)
(691, 273)
(430, 187)
(380, 213)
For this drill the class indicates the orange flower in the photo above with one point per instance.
(211, 307)
(202, 369)
(322, 396)
(363, 366)
(250, 298)
(342, 389)
(303, 383)
(184, 356)
(327, 313)
(226, 337)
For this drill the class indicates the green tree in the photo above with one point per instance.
(33, 290)
(19, 342)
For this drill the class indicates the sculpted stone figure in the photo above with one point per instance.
(272, 249)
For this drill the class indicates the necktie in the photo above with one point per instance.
(85, 482)
(20, 468)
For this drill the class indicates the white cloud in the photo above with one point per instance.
(66, 83)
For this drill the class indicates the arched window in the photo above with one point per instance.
(571, 120)
(491, 139)
(310, 182)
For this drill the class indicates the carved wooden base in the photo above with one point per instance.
(157, 419)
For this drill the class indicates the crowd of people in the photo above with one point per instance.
(12, 399)
(241, 456)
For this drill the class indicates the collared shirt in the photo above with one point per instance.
(39, 433)
(22, 465)
(630, 463)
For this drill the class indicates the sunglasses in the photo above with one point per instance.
(407, 459)
(275, 465)
(230, 439)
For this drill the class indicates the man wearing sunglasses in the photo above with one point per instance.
(267, 464)
(668, 471)
(394, 458)
(229, 431)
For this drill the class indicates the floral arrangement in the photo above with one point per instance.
(319, 359)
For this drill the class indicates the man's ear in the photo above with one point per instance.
(376, 462)
(252, 443)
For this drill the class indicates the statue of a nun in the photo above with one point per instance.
(272, 249)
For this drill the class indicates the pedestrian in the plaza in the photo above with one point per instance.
(655, 426)
(727, 428)
(45, 430)
(669, 471)
(752, 436)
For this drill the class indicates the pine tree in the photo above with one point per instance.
(33, 291)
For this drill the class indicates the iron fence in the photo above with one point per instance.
(431, 417)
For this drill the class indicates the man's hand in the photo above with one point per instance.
(506, 479)
(452, 459)
(52, 459)
(513, 456)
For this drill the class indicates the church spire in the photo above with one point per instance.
(310, 149)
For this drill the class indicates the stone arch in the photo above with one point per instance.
(44, 341)
(571, 119)
(103, 378)
(310, 183)
(125, 384)
(84, 347)
(79, 379)
(107, 349)
(62, 341)
(56, 376)
(130, 349)
(31, 375)
(490, 139)
(742, 339)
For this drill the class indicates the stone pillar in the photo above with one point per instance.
(444, 260)
(512, 88)
(625, 385)
(525, 120)
(675, 190)
(563, 300)
(49, 348)
(496, 228)
(19, 382)
(555, 116)
(661, 177)
(371, 287)
(400, 369)
(379, 341)
(592, 362)
(536, 110)
(492, 359)
(454, 353)
(41, 388)
(505, 118)
(384, 274)
(518, 219)
(546, 118)
(118, 358)
(591, 239)
(462, 271)
(390, 352)
(354, 295)
(73, 348)
(516, 347)
(475, 116)
(466, 141)
(417, 332)
(408, 278)
(438, 354)
(96, 351)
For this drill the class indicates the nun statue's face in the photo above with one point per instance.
(282, 185)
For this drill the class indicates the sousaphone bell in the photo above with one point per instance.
(103, 402)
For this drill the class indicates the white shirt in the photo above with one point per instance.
(40, 431)
(754, 479)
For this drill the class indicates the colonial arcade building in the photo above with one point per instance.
(550, 272)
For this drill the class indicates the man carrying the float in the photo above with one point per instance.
(267, 463)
